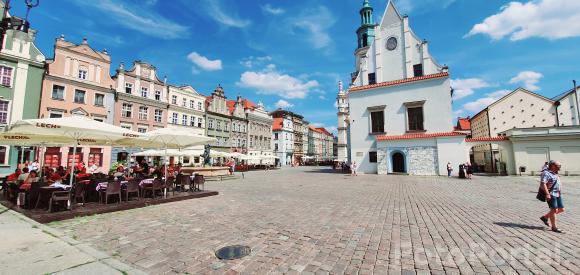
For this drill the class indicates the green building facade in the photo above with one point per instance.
(21, 73)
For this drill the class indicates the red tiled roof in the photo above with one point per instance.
(418, 136)
(486, 139)
(398, 82)
(231, 105)
(324, 131)
(277, 124)
(463, 124)
(248, 104)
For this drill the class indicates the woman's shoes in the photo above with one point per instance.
(555, 229)
(544, 220)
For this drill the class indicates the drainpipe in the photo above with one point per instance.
(557, 103)
(577, 102)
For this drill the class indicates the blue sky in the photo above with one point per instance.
(293, 53)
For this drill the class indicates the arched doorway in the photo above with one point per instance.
(398, 160)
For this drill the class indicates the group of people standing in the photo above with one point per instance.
(465, 170)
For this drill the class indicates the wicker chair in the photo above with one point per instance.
(156, 186)
(198, 181)
(113, 188)
(132, 187)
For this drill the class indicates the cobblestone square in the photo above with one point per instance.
(307, 220)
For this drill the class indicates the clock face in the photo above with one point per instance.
(391, 43)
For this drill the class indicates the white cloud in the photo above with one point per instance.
(479, 104)
(551, 19)
(137, 18)
(529, 79)
(466, 87)
(407, 6)
(250, 62)
(204, 63)
(217, 12)
(271, 10)
(272, 82)
(316, 23)
(283, 104)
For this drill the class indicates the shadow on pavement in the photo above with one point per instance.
(517, 225)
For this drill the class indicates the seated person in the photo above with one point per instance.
(53, 177)
(22, 177)
(120, 175)
(32, 177)
(14, 176)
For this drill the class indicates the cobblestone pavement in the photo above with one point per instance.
(305, 220)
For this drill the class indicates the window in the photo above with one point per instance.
(55, 115)
(142, 130)
(4, 111)
(158, 95)
(6, 76)
(143, 113)
(199, 105)
(83, 74)
(99, 119)
(184, 102)
(158, 115)
(226, 126)
(58, 92)
(418, 70)
(192, 104)
(377, 122)
(99, 100)
(126, 126)
(219, 125)
(95, 156)
(128, 87)
(174, 99)
(3, 151)
(174, 118)
(192, 121)
(372, 78)
(144, 92)
(184, 120)
(79, 96)
(210, 124)
(199, 122)
(127, 110)
(276, 147)
(415, 116)
(373, 157)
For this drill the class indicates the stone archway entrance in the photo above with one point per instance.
(398, 161)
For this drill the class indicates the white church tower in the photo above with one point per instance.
(399, 102)
(342, 105)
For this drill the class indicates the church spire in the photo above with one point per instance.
(366, 32)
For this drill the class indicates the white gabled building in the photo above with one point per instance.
(399, 103)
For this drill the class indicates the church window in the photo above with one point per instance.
(372, 78)
(378, 122)
(415, 116)
(418, 70)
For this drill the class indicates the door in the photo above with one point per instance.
(398, 161)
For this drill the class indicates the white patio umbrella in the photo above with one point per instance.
(175, 138)
(74, 130)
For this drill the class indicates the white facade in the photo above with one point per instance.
(398, 91)
(259, 132)
(283, 139)
(342, 104)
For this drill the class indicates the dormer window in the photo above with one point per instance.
(184, 102)
(372, 78)
(418, 70)
(128, 88)
(83, 73)
(157, 95)
(144, 92)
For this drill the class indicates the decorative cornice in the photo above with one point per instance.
(78, 83)
(398, 82)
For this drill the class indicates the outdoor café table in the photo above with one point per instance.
(146, 182)
(46, 192)
(103, 185)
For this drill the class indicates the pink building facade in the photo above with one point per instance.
(77, 82)
(140, 102)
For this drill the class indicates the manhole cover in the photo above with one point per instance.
(233, 252)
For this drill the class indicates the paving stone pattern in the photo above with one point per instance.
(306, 220)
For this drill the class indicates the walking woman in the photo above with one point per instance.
(552, 186)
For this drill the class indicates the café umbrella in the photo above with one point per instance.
(175, 138)
(76, 130)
